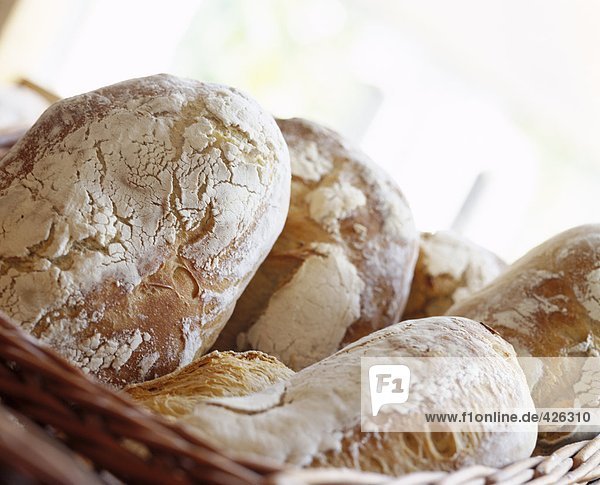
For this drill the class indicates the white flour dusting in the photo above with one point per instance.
(119, 176)
(301, 314)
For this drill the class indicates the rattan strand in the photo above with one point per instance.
(45, 459)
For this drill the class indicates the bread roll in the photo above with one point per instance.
(547, 304)
(342, 266)
(132, 219)
(217, 374)
(449, 268)
(313, 419)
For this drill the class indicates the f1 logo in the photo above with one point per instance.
(389, 385)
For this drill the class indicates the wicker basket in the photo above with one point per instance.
(59, 426)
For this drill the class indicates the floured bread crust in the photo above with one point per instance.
(342, 266)
(132, 217)
(449, 269)
(313, 418)
(217, 374)
(547, 304)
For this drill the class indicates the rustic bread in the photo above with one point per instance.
(449, 268)
(547, 304)
(343, 264)
(313, 418)
(132, 219)
(217, 374)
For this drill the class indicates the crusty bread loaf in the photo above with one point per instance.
(217, 374)
(133, 217)
(547, 304)
(313, 418)
(449, 268)
(343, 264)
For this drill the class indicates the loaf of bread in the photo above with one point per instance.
(343, 264)
(132, 219)
(449, 268)
(547, 304)
(217, 374)
(314, 418)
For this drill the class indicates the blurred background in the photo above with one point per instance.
(486, 113)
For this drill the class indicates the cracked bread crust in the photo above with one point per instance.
(343, 264)
(314, 417)
(449, 269)
(218, 374)
(132, 217)
(547, 304)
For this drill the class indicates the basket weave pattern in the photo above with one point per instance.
(98, 423)
(83, 419)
